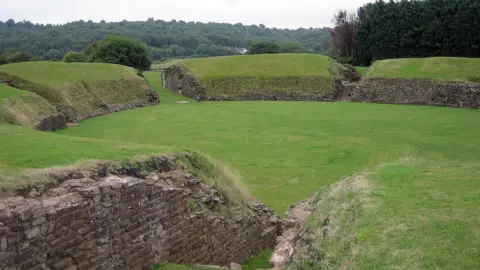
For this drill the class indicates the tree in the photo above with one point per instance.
(124, 51)
(53, 54)
(72, 56)
(343, 36)
(291, 47)
(15, 56)
(264, 47)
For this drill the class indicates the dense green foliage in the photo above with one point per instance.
(264, 47)
(15, 56)
(123, 51)
(436, 68)
(71, 57)
(165, 39)
(291, 47)
(398, 29)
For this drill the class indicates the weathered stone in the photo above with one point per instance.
(32, 233)
(134, 226)
(235, 266)
(418, 92)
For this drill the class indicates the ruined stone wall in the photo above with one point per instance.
(178, 80)
(52, 122)
(419, 92)
(102, 221)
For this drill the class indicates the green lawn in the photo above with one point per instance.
(421, 213)
(56, 73)
(436, 68)
(7, 91)
(265, 65)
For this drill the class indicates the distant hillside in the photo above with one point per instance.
(165, 39)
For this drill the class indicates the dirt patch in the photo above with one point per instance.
(418, 92)
(294, 219)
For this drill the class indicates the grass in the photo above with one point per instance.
(7, 91)
(371, 224)
(236, 75)
(361, 71)
(418, 213)
(57, 73)
(265, 65)
(436, 68)
(22, 107)
(79, 89)
(25, 110)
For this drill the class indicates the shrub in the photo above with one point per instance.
(14, 56)
(291, 47)
(72, 56)
(123, 51)
(264, 47)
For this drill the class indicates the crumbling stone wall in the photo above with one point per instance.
(177, 79)
(419, 92)
(52, 122)
(97, 220)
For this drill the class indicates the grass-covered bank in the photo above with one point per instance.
(435, 68)
(409, 214)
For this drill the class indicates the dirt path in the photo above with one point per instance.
(294, 218)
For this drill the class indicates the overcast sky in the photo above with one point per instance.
(272, 13)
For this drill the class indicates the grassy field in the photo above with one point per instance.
(422, 166)
(436, 68)
(236, 75)
(57, 73)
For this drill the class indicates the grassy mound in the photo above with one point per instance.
(436, 68)
(389, 217)
(22, 107)
(80, 90)
(235, 75)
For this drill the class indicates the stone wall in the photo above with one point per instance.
(177, 79)
(93, 219)
(419, 92)
(52, 122)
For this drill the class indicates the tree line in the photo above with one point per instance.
(399, 29)
(165, 39)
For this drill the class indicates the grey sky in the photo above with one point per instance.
(272, 13)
